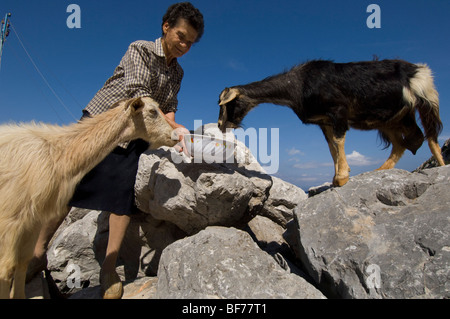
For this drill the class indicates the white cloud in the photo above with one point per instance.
(357, 159)
(310, 165)
(293, 151)
(353, 159)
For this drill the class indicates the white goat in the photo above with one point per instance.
(40, 166)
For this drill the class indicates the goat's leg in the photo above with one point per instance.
(6, 270)
(26, 245)
(337, 150)
(342, 176)
(436, 151)
(7, 259)
(397, 149)
(333, 154)
(325, 130)
(5, 281)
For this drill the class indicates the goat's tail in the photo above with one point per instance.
(422, 95)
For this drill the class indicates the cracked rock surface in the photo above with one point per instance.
(385, 234)
(209, 265)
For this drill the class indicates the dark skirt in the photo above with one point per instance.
(110, 185)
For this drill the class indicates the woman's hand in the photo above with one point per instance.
(179, 130)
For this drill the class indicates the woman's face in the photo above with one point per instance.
(177, 41)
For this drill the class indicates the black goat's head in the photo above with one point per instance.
(233, 107)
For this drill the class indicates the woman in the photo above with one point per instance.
(147, 69)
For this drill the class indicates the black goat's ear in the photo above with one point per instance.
(228, 95)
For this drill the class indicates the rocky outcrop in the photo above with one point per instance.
(177, 199)
(75, 245)
(232, 231)
(220, 263)
(82, 240)
(385, 234)
(196, 195)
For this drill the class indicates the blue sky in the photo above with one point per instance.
(244, 41)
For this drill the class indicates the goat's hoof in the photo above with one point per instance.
(385, 167)
(338, 182)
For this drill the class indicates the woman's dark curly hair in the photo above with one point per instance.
(188, 12)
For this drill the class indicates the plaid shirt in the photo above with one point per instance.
(143, 71)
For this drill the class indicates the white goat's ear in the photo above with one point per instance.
(135, 104)
(228, 95)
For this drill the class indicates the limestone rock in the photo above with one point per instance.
(221, 262)
(283, 198)
(72, 254)
(385, 234)
(80, 245)
(177, 198)
(196, 195)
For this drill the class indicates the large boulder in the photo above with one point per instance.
(79, 247)
(221, 262)
(72, 256)
(196, 195)
(385, 234)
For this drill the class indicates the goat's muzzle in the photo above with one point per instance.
(223, 126)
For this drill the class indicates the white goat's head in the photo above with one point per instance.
(148, 122)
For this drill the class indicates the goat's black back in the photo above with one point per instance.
(364, 91)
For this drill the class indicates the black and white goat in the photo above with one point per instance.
(381, 95)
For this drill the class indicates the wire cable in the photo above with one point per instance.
(40, 73)
(35, 80)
